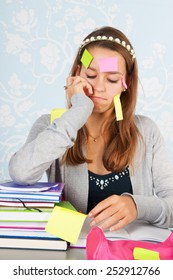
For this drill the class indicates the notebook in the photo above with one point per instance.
(138, 230)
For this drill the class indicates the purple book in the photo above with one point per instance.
(39, 187)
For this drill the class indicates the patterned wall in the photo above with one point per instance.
(39, 40)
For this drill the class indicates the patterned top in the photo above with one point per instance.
(103, 186)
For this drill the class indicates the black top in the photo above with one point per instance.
(103, 186)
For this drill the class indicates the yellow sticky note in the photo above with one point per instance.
(57, 113)
(118, 108)
(86, 58)
(65, 224)
(145, 254)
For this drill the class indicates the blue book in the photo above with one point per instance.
(39, 240)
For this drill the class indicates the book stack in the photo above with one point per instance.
(24, 213)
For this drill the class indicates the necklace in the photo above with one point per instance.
(94, 138)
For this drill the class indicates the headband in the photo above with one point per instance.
(105, 38)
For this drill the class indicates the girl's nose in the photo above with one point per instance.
(99, 84)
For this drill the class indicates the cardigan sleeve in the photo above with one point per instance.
(47, 142)
(155, 202)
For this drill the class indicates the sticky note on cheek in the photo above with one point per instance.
(65, 224)
(118, 108)
(145, 254)
(57, 113)
(108, 64)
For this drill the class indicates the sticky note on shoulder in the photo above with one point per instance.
(65, 224)
(57, 113)
(145, 254)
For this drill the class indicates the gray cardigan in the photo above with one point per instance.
(151, 177)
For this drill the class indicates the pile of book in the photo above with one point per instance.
(24, 213)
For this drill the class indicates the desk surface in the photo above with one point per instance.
(21, 254)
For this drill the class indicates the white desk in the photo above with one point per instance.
(18, 254)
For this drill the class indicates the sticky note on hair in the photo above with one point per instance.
(108, 64)
(123, 82)
(57, 113)
(118, 108)
(65, 224)
(86, 58)
(145, 254)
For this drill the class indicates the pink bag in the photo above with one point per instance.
(100, 248)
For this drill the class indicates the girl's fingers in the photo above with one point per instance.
(120, 224)
(103, 205)
(77, 84)
(111, 221)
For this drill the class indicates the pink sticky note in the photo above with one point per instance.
(123, 82)
(108, 64)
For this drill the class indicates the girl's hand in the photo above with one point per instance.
(114, 212)
(78, 84)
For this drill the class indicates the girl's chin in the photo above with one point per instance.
(100, 108)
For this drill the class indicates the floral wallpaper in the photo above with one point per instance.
(39, 40)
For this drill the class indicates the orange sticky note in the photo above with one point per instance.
(118, 108)
(65, 224)
(145, 254)
(57, 113)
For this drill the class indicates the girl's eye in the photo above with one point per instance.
(113, 81)
(91, 77)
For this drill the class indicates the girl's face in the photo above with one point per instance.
(105, 83)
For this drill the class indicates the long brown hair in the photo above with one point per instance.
(120, 149)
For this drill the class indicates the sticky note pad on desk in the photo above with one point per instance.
(57, 113)
(65, 224)
(145, 254)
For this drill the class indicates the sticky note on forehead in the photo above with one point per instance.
(108, 64)
(65, 224)
(86, 58)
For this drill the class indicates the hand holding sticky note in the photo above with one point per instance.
(65, 224)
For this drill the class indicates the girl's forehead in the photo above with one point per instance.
(106, 60)
(98, 52)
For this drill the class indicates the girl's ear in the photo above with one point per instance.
(77, 73)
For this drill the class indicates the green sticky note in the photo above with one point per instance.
(145, 254)
(65, 224)
(66, 204)
(86, 58)
(57, 113)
